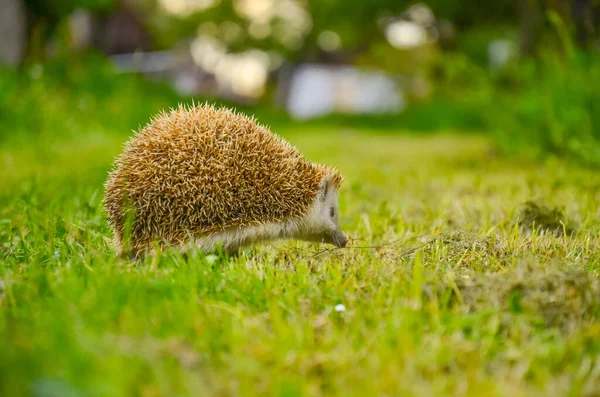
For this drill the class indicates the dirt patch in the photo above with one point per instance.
(466, 250)
(536, 215)
(563, 296)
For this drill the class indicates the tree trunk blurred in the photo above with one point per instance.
(582, 15)
(530, 21)
(584, 19)
(120, 31)
(13, 31)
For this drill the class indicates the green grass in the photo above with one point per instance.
(463, 301)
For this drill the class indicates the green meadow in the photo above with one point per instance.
(467, 274)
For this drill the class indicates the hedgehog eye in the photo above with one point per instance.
(331, 212)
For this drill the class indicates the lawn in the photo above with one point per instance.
(467, 274)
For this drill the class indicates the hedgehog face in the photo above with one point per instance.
(320, 224)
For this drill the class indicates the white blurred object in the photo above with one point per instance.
(186, 7)
(249, 74)
(80, 25)
(317, 90)
(500, 52)
(340, 308)
(256, 10)
(405, 34)
(414, 28)
(144, 62)
(421, 14)
(207, 52)
(13, 32)
(294, 15)
(186, 83)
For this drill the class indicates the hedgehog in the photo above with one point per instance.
(211, 178)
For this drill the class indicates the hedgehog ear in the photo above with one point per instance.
(324, 188)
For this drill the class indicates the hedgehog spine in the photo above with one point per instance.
(214, 177)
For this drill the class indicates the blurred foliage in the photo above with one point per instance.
(474, 43)
(58, 9)
(73, 96)
(292, 27)
(534, 107)
(556, 110)
(46, 19)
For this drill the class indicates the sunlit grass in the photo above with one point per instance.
(461, 302)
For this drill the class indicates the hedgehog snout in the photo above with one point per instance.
(339, 240)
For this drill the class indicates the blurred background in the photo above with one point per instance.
(524, 72)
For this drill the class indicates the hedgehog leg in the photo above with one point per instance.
(131, 256)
